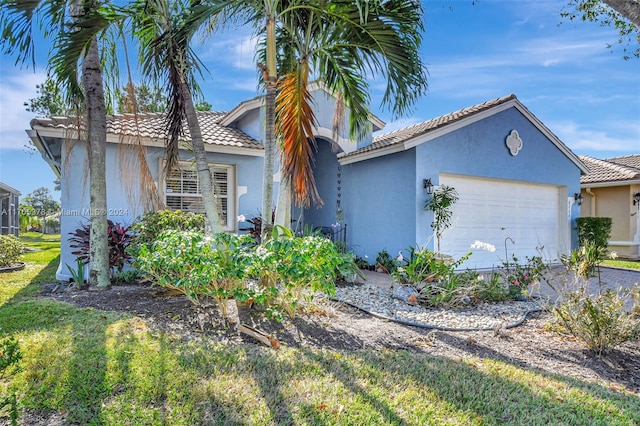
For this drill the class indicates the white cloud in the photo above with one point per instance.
(15, 90)
(236, 49)
(609, 136)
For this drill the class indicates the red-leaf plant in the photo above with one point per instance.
(119, 240)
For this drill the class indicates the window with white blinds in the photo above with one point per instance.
(182, 191)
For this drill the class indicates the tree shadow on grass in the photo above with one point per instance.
(67, 372)
(622, 402)
(462, 392)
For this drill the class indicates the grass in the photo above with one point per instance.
(100, 367)
(627, 264)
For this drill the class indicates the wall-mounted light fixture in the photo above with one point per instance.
(578, 197)
(636, 199)
(427, 185)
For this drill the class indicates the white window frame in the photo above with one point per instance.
(190, 166)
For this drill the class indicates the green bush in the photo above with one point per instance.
(148, 227)
(10, 250)
(198, 265)
(594, 229)
(600, 321)
(293, 268)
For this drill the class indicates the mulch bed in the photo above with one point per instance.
(336, 326)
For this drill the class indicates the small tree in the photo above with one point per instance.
(43, 204)
(440, 204)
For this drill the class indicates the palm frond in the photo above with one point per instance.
(294, 123)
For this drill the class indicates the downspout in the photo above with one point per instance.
(593, 201)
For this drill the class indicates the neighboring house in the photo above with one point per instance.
(612, 189)
(10, 208)
(516, 179)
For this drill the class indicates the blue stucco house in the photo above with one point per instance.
(516, 180)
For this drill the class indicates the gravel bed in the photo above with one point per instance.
(379, 301)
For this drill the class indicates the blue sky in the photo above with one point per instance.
(562, 71)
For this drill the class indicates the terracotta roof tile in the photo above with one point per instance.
(610, 170)
(402, 135)
(152, 126)
(629, 161)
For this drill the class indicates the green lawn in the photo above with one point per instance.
(100, 367)
(627, 264)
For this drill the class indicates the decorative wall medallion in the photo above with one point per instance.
(514, 143)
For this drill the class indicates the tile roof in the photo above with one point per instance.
(152, 126)
(611, 170)
(402, 135)
(629, 161)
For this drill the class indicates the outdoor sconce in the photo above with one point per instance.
(636, 199)
(578, 197)
(428, 186)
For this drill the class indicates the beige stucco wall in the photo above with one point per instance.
(616, 202)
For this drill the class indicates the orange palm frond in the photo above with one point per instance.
(294, 124)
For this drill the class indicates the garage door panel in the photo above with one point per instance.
(492, 211)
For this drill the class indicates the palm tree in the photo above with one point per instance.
(339, 45)
(201, 14)
(340, 42)
(165, 56)
(61, 20)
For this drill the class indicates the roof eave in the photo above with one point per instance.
(45, 152)
(9, 189)
(610, 183)
(465, 121)
(240, 110)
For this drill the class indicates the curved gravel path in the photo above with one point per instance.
(374, 297)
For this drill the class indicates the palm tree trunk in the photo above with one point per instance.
(97, 135)
(202, 164)
(269, 137)
(283, 208)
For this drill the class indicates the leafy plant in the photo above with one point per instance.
(255, 230)
(385, 261)
(78, 274)
(10, 250)
(600, 321)
(347, 267)
(418, 267)
(118, 240)
(296, 267)
(198, 265)
(440, 204)
(585, 262)
(127, 276)
(520, 277)
(147, 228)
(10, 357)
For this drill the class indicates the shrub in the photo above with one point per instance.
(118, 239)
(594, 229)
(600, 321)
(520, 277)
(10, 250)
(418, 268)
(198, 265)
(148, 227)
(585, 261)
(297, 267)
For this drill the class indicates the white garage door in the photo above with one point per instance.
(526, 217)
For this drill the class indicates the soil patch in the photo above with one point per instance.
(336, 326)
